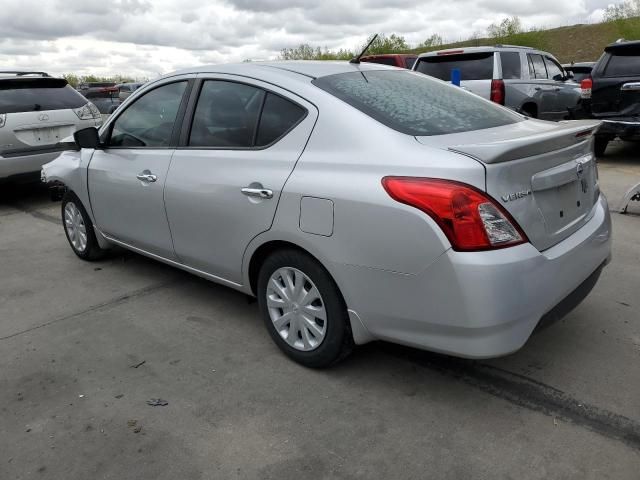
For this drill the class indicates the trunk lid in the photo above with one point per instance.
(544, 174)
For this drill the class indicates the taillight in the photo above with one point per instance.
(585, 87)
(470, 219)
(497, 91)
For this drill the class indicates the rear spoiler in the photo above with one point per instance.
(529, 145)
(31, 82)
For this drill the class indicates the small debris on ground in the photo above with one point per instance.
(555, 422)
(81, 395)
(119, 396)
(139, 364)
(157, 402)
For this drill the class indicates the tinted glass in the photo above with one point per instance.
(409, 61)
(510, 65)
(472, 66)
(415, 104)
(32, 96)
(382, 60)
(278, 117)
(623, 64)
(149, 121)
(226, 115)
(538, 66)
(553, 69)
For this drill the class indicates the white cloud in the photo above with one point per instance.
(147, 38)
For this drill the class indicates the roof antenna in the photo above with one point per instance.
(364, 50)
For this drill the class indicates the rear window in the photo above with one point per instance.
(510, 65)
(415, 104)
(623, 63)
(32, 95)
(472, 66)
(381, 60)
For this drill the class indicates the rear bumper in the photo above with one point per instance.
(620, 127)
(12, 165)
(481, 304)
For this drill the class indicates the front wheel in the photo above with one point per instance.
(303, 309)
(79, 229)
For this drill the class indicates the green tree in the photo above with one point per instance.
(383, 44)
(621, 11)
(506, 28)
(434, 40)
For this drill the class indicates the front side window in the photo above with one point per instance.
(150, 120)
(539, 69)
(553, 69)
(415, 104)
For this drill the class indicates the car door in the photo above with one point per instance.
(226, 177)
(543, 88)
(126, 178)
(562, 95)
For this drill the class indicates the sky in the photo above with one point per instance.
(147, 38)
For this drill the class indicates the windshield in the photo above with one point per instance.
(415, 104)
(472, 66)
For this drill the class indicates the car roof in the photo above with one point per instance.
(621, 44)
(481, 49)
(578, 64)
(308, 68)
(390, 55)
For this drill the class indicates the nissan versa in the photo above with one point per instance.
(355, 201)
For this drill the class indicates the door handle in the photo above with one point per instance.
(538, 88)
(257, 192)
(146, 176)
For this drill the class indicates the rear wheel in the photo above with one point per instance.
(79, 229)
(303, 309)
(529, 110)
(600, 145)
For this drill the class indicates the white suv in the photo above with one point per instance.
(36, 112)
(526, 80)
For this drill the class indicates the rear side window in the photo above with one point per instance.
(33, 95)
(226, 115)
(623, 63)
(278, 117)
(510, 65)
(472, 66)
(409, 61)
(537, 65)
(415, 104)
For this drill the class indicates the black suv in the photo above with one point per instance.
(612, 94)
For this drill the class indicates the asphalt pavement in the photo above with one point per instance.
(84, 347)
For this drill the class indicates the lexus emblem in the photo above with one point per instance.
(579, 169)
(43, 117)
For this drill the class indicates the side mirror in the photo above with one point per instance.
(87, 138)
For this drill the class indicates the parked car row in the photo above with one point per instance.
(356, 201)
(36, 112)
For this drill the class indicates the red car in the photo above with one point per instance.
(402, 60)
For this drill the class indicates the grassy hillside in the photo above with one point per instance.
(579, 43)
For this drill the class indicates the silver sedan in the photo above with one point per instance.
(355, 201)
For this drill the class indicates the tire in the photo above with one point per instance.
(322, 335)
(600, 145)
(78, 229)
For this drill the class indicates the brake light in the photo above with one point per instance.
(585, 87)
(497, 91)
(470, 219)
